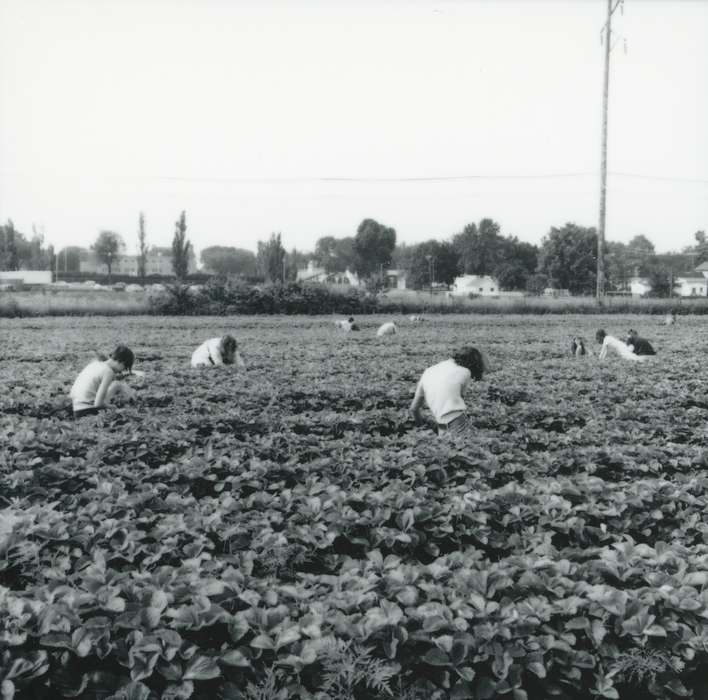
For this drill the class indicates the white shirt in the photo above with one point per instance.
(622, 349)
(345, 326)
(212, 349)
(386, 329)
(83, 391)
(442, 386)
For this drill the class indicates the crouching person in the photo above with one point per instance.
(388, 328)
(577, 347)
(98, 384)
(442, 386)
(218, 351)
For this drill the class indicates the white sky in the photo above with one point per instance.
(244, 114)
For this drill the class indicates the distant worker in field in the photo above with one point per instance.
(218, 351)
(98, 383)
(347, 326)
(670, 319)
(386, 329)
(416, 319)
(577, 347)
(442, 387)
(639, 345)
(609, 342)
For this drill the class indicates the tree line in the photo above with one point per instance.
(565, 259)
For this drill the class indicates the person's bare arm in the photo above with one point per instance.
(216, 356)
(417, 403)
(102, 392)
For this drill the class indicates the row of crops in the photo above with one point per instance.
(289, 533)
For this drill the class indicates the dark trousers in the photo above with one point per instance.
(93, 411)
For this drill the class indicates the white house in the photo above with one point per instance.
(479, 285)
(26, 277)
(639, 286)
(396, 279)
(312, 273)
(690, 286)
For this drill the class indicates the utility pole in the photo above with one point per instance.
(603, 158)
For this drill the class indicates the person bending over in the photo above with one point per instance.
(577, 347)
(97, 383)
(388, 328)
(442, 386)
(641, 346)
(346, 326)
(609, 342)
(217, 352)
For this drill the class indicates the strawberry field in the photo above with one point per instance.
(288, 532)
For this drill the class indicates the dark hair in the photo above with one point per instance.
(631, 333)
(350, 319)
(600, 335)
(228, 346)
(124, 355)
(577, 344)
(472, 359)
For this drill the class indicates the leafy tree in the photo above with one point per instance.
(519, 261)
(511, 275)
(480, 248)
(106, 247)
(9, 257)
(535, 284)
(700, 249)
(373, 245)
(294, 260)
(440, 257)
(336, 254)
(69, 259)
(180, 248)
(142, 246)
(660, 279)
(568, 256)
(639, 250)
(271, 258)
(227, 260)
(618, 266)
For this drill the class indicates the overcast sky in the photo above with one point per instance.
(306, 117)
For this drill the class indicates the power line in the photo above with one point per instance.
(668, 178)
(395, 179)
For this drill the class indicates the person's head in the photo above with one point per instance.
(124, 356)
(351, 319)
(228, 346)
(631, 333)
(600, 335)
(472, 359)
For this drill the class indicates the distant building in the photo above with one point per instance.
(689, 285)
(395, 279)
(639, 286)
(313, 273)
(158, 261)
(555, 293)
(26, 277)
(479, 285)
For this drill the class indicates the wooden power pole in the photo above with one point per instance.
(603, 158)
